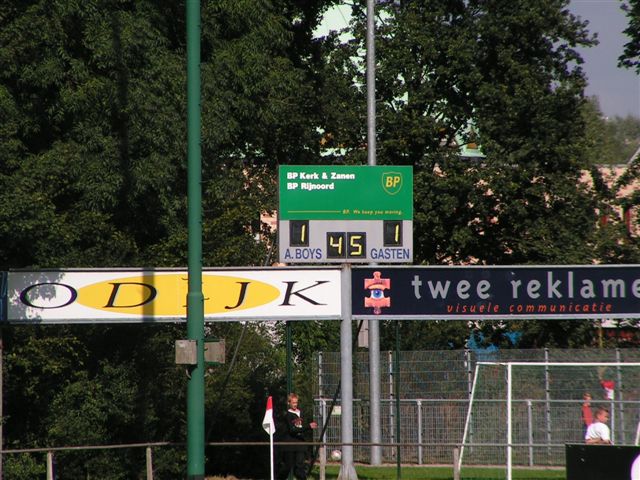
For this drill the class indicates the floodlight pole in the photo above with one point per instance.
(195, 297)
(374, 325)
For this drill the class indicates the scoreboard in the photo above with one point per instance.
(345, 214)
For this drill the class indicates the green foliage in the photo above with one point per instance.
(93, 174)
(100, 123)
(508, 77)
(36, 364)
(24, 465)
(449, 70)
(626, 134)
(92, 150)
(609, 141)
(630, 57)
(600, 145)
(237, 392)
(420, 335)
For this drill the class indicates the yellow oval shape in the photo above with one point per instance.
(166, 295)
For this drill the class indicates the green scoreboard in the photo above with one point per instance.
(345, 214)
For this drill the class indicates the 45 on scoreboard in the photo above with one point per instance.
(345, 214)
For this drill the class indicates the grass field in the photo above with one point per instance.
(440, 473)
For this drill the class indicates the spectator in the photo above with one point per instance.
(598, 432)
(295, 429)
(587, 415)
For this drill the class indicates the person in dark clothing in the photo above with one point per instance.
(295, 428)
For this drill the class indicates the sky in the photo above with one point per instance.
(617, 89)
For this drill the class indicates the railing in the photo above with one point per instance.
(431, 430)
(541, 428)
(51, 450)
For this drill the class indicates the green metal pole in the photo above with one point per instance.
(397, 389)
(195, 297)
(289, 341)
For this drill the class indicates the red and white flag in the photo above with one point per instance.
(267, 421)
(609, 388)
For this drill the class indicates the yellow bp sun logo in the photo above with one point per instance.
(392, 182)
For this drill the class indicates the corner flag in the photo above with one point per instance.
(267, 421)
(270, 428)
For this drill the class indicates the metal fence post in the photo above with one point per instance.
(419, 404)
(470, 380)
(530, 430)
(456, 465)
(323, 462)
(50, 466)
(149, 464)
(320, 392)
(620, 397)
(325, 420)
(547, 394)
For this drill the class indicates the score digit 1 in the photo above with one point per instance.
(299, 233)
(392, 233)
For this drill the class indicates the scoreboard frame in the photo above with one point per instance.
(345, 214)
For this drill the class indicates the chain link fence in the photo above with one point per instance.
(435, 391)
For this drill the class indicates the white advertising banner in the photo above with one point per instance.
(136, 295)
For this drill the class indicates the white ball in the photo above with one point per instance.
(336, 455)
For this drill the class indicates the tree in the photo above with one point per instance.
(611, 143)
(93, 174)
(627, 136)
(630, 57)
(601, 145)
(450, 70)
(97, 135)
(505, 76)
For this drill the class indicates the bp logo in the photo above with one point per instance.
(392, 182)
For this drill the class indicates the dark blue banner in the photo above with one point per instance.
(497, 292)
